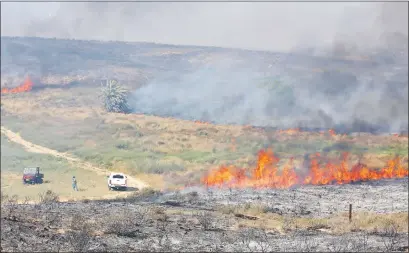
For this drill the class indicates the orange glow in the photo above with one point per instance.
(26, 86)
(297, 131)
(290, 131)
(201, 122)
(265, 173)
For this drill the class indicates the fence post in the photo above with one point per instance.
(350, 212)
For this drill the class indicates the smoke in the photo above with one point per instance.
(286, 98)
(347, 96)
(263, 26)
(311, 86)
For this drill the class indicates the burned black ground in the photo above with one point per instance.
(308, 218)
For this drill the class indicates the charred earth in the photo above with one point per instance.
(306, 218)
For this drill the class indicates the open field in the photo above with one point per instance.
(169, 153)
(58, 172)
(61, 127)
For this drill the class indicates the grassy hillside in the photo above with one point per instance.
(253, 87)
(64, 113)
(71, 120)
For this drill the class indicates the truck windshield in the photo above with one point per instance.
(118, 176)
(30, 170)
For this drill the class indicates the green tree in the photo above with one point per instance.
(114, 97)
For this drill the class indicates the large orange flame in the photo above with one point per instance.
(26, 86)
(266, 174)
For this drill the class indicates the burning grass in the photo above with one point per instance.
(265, 174)
(70, 120)
(27, 85)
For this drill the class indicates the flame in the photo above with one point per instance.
(290, 131)
(266, 174)
(399, 135)
(295, 131)
(201, 122)
(26, 86)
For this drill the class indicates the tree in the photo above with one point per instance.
(114, 97)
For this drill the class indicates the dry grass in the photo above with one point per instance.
(91, 185)
(155, 181)
(57, 176)
(259, 216)
(369, 222)
(71, 120)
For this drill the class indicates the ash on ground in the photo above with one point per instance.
(383, 196)
(307, 218)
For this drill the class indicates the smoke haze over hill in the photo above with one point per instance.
(282, 98)
(263, 26)
(345, 63)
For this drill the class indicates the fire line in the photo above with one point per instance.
(27, 85)
(266, 174)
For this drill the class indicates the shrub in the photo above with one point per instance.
(126, 222)
(122, 145)
(114, 97)
(80, 234)
(49, 197)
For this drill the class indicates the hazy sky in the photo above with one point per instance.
(271, 26)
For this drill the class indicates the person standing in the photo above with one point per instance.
(74, 183)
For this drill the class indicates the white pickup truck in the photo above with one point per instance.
(117, 181)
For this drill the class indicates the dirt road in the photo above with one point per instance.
(33, 148)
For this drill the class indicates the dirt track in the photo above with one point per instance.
(33, 148)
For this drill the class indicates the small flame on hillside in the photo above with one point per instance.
(202, 122)
(332, 132)
(27, 85)
(266, 175)
(290, 131)
(296, 131)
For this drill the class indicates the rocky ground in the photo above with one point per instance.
(308, 218)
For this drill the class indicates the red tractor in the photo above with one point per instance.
(32, 176)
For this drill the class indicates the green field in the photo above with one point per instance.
(57, 175)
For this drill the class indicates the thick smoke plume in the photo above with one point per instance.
(282, 97)
(369, 95)
(345, 67)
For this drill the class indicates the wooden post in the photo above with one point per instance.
(350, 212)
